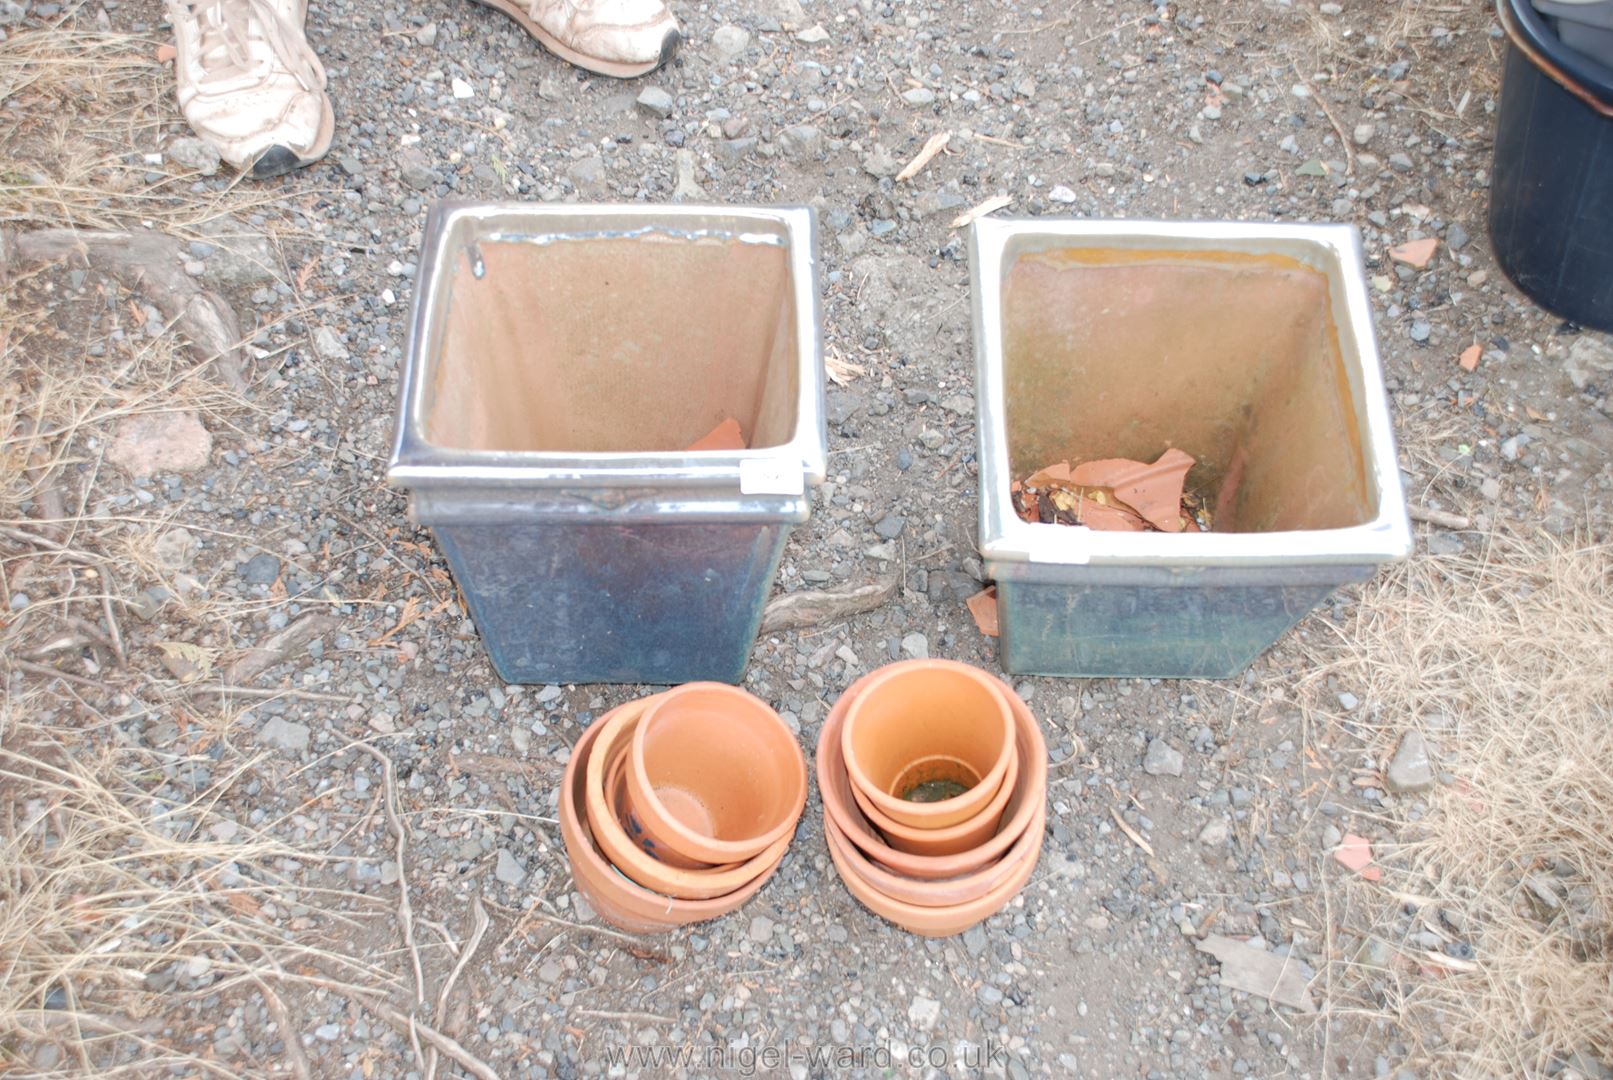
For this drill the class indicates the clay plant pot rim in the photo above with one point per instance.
(612, 742)
(940, 839)
(648, 871)
(944, 892)
(680, 837)
(1032, 780)
(927, 921)
(945, 812)
(618, 899)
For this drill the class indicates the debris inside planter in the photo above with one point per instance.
(1115, 494)
(725, 436)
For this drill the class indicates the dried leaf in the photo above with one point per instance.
(932, 146)
(990, 206)
(1058, 473)
(983, 606)
(810, 607)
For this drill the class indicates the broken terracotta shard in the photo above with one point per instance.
(1154, 491)
(983, 606)
(725, 436)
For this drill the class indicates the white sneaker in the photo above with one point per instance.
(249, 83)
(620, 38)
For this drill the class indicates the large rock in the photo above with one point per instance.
(1588, 359)
(169, 442)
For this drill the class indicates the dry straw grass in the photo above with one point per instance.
(1504, 660)
(138, 907)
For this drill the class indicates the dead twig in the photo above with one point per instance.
(478, 928)
(401, 840)
(812, 607)
(1444, 520)
(410, 1026)
(288, 1035)
(1132, 834)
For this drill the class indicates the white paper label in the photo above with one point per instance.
(770, 476)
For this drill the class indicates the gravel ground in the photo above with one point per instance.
(1377, 115)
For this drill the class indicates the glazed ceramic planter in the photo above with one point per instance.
(617, 899)
(964, 836)
(1247, 346)
(565, 365)
(714, 774)
(834, 788)
(924, 721)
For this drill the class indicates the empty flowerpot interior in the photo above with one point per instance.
(721, 766)
(1230, 356)
(932, 728)
(642, 340)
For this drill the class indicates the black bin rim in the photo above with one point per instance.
(1575, 72)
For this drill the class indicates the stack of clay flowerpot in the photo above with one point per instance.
(934, 783)
(678, 807)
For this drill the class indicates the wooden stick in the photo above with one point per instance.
(1136, 837)
(1438, 517)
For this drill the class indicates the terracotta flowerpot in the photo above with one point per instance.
(630, 859)
(924, 721)
(963, 836)
(834, 788)
(714, 774)
(928, 921)
(619, 900)
(612, 746)
(945, 892)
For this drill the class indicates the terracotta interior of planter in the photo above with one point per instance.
(924, 723)
(1234, 358)
(589, 343)
(719, 765)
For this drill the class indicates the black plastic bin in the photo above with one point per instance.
(1551, 187)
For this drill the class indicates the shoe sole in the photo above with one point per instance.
(669, 45)
(279, 160)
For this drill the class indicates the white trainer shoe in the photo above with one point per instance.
(620, 38)
(250, 84)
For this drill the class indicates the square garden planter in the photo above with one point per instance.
(561, 361)
(1249, 347)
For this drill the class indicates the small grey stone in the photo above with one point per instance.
(919, 95)
(1420, 330)
(1061, 194)
(588, 175)
(761, 929)
(1456, 237)
(508, 869)
(916, 647)
(328, 1032)
(728, 42)
(1215, 833)
(328, 344)
(1348, 701)
(800, 141)
(1363, 133)
(426, 35)
(813, 35)
(890, 526)
(284, 735)
(879, 162)
(414, 169)
(989, 995)
(20, 600)
(260, 569)
(197, 155)
(1588, 360)
(923, 1012)
(1162, 759)
(1410, 770)
(1400, 163)
(656, 102)
(974, 939)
